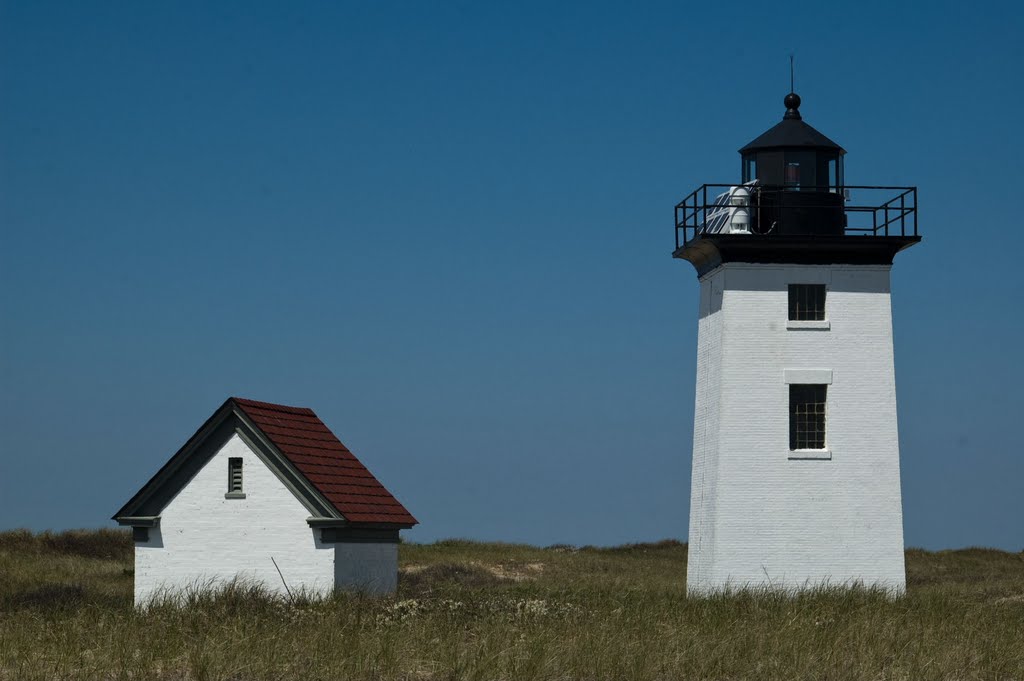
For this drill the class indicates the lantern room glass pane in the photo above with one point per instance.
(799, 171)
(749, 168)
(792, 175)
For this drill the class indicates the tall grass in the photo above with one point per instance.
(498, 611)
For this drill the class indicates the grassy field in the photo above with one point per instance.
(492, 611)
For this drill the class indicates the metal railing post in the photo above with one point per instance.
(704, 206)
(915, 211)
(903, 214)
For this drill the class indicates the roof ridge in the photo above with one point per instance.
(271, 406)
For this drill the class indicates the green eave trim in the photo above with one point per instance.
(139, 520)
(320, 523)
(326, 522)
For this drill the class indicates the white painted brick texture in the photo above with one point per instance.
(759, 517)
(203, 536)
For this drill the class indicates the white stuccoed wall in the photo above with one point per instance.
(370, 568)
(758, 516)
(203, 536)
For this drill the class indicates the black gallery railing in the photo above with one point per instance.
(766, 210)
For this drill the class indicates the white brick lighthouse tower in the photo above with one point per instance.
(796, 475)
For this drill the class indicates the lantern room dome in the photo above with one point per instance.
(793, 156)
(791, 131)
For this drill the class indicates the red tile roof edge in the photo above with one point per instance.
(340, 467)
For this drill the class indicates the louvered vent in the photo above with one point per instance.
(234, 475)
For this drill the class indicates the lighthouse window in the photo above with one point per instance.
(807, 416)
(806, 302)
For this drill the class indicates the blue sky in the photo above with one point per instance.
(447, 228)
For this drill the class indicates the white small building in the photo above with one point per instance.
(267, 494)
(796, 473)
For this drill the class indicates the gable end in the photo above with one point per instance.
(229, 420)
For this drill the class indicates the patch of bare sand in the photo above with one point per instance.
(508, 572)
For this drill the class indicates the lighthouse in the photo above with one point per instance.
(796, 473)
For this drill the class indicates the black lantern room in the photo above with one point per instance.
(800, 173)
(792, 205)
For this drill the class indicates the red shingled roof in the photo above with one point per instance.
(328, 465)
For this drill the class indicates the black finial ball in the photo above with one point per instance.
(792, 101)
